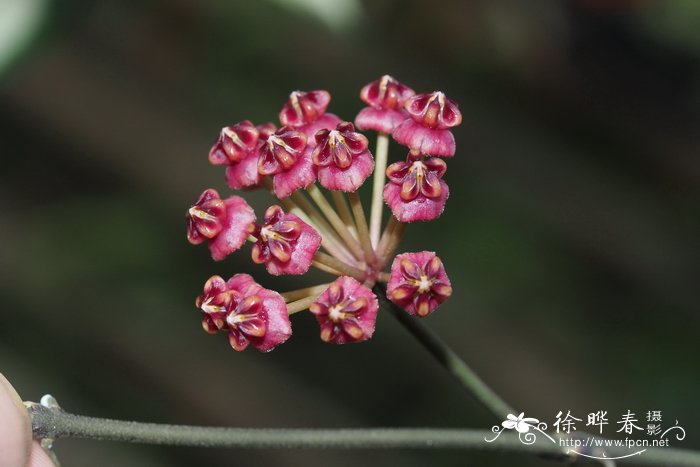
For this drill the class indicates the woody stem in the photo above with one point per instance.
(380, 161)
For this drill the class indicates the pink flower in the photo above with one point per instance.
(280, 151)
(342, 158)
(385, 98)
(346, 311)
(325, 122)
(224, 223)
(234, 143)
(427, 131)
(418, 282)
(301, 175)
(416, 191)
(306, 112)
(313, 145)
(304, 107)
(249, 313)
(286, 244)
(244, 173)
(284, 155)
(213, 304)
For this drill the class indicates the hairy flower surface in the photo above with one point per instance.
(250, 314)
(286, 244)
(224, 223)
(346, 311)
(427, 129)
(385, 98)
(416, 191)
(342, 158)
(418, 282)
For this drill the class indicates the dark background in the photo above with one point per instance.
(571, 234)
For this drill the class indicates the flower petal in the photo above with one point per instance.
(422, 140)
(235, 228)
(418, 209)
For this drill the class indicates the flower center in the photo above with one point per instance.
(285, 156)
(201, 214)
(335, 138)
(335, 313)
(424, 284)
(234, 319)
(209, 307)
(268, 233)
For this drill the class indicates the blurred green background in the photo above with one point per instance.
(571, 234)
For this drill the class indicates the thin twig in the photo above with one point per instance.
(55, 423)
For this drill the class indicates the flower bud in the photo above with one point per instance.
(306, 112)
(244, 173)
(249, 313)
(342, 158)
(346, 311)
(286, 244)
(418, 283)
(416, 191)
(427, 130)
(235, 142)
(223, 223)
(385, 98)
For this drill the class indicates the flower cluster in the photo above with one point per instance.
(311, 155)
